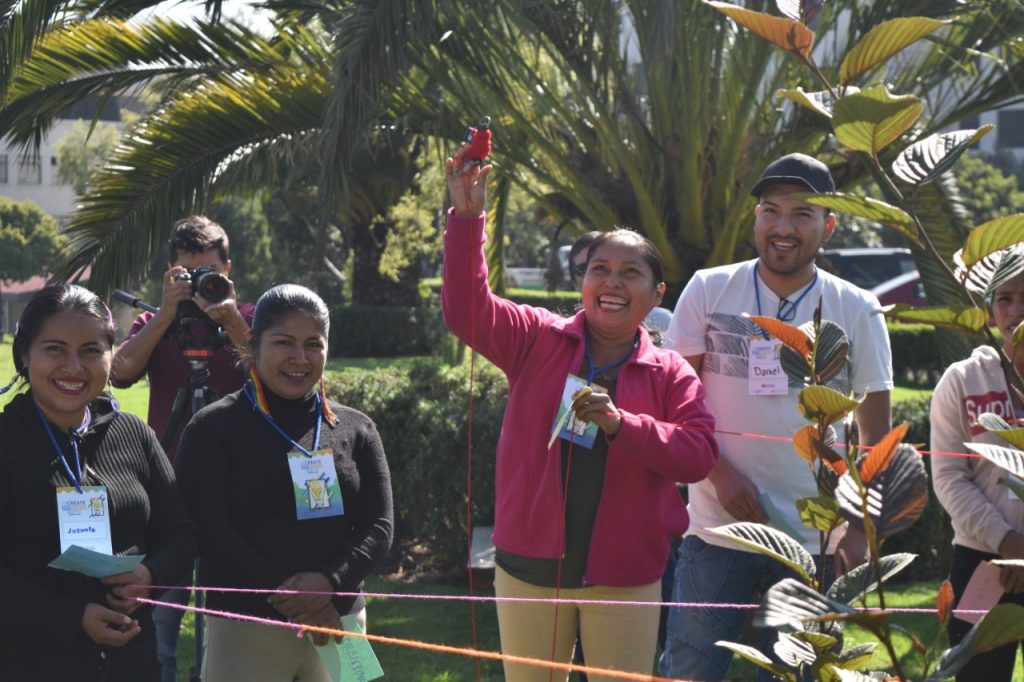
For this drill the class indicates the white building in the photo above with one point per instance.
(31, 175)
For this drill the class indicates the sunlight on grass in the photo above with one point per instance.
(902, 393)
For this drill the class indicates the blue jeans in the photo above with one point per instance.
(167, 623)
(709, 574)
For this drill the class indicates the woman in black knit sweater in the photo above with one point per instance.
(61, 442)
(290, 491)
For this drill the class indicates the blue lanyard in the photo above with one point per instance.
(76, 480)
(594, 371)
(784, 315)
(316, 436)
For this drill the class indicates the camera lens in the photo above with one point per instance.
(212, 286)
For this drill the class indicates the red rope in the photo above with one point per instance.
(469, 466)
(561, 557)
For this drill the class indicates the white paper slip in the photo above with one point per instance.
(983, 591)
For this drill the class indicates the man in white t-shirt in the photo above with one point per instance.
(746, 396)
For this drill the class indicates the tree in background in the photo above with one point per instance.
(82, 150)
(654, 114)
(244, 220)
(650, 113)
(988, 192)
(29, 242)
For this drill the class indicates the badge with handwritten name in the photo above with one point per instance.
(84, 518)
(764, 367)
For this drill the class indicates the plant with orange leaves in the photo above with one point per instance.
(884, 490)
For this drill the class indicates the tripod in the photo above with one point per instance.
(196, 387)
(197, 351)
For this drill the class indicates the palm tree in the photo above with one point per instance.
(661, 114)
(653, 113)
(238, 112)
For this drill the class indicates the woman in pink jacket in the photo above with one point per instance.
(587, 519)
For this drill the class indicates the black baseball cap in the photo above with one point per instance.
(796, 169)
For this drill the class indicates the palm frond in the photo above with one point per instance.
(213, 136)
(371, 41)
(108, 56)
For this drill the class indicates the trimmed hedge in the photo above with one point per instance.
(421, 414)
(385, 331)
(915, 353)
(390, 331)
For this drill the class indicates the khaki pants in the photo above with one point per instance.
(241, 650)
(617, 637)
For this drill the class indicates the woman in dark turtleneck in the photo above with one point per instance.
(291, 491)
(65, 445)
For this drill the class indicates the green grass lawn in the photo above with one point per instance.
(901, 393)
(438, 622)
(449, 623)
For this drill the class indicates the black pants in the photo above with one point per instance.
(134, 662)
(991, 666)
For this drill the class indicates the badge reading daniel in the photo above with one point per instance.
(315, 483)
(84, 518)
(764, 367)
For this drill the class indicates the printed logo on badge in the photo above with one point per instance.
(315, 484)
(96, 507)
(765, 375)
(83, 518)
(318, 494)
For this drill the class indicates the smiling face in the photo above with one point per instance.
(291, 355)
(1007, 310)
(789, 232)
(68, 364)
(619, 287)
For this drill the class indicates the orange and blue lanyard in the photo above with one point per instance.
(254, 392)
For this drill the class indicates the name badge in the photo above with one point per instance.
(315, 483)
(567, 427)
(764, 366)
(84, 518)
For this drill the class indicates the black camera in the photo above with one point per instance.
(208, 283)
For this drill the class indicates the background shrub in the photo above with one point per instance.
(385, 331)
(915, 354)
(422, 416)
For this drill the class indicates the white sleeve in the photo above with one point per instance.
(687, 332)
(967, 505)
(871, 356)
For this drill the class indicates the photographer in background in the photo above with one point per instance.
(195, 242)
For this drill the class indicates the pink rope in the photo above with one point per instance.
(521, 600)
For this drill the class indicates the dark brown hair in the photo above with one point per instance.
(197, 234)
(644, 246)
(46, 303)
